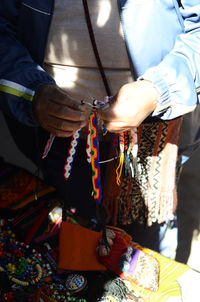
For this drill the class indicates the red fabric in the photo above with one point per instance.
(112, 260)
(36, 225)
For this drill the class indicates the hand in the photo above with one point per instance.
(132, 104)
(57, 112)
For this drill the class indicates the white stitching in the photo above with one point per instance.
(37, 10)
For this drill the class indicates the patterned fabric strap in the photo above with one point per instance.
(95, 157)
(88, 144)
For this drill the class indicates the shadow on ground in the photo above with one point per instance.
(189, 213)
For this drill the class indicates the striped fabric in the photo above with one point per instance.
(16, 89)
(19, 187)
(170, 271)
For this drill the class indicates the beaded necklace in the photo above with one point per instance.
(63, 290)
(20, 269)
(24, 266)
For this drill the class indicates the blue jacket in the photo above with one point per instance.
(162, 38)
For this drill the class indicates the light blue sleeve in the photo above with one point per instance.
(177, 77)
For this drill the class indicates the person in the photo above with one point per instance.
(149, 52)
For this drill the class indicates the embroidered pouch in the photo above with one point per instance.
(132, 264)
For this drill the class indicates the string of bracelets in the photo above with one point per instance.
(125, 142)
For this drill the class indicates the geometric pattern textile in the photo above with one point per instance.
(150, 196)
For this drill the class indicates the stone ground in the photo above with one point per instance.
(189, 196)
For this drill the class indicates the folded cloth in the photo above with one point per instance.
(77, 248)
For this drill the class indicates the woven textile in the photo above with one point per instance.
(150, 196)
(153, 278)
(170, 271)
(18, 187)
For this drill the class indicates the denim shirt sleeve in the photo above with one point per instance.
(178, 75)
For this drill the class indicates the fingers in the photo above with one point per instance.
(112, 121)
(61, 128)
(117, 127)
(61, 98)
(106, 111)
(133, 103)
(57, 112)
(65, 112)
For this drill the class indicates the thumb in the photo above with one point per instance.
(106, 111)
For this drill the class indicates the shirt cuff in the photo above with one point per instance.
(163, 108)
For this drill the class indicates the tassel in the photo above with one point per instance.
(121, 159)
(48, 145)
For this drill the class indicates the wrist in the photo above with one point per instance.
(152, 94)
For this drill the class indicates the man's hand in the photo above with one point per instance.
(57, 112)
(132, 104)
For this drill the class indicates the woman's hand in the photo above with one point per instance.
(57, 112)
(132, 104)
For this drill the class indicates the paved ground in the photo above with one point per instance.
(189, 196)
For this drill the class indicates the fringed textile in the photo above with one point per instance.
(152, 191)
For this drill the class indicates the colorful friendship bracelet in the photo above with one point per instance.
(71, 154)
(96, 182)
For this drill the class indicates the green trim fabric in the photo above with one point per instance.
(16, 89)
